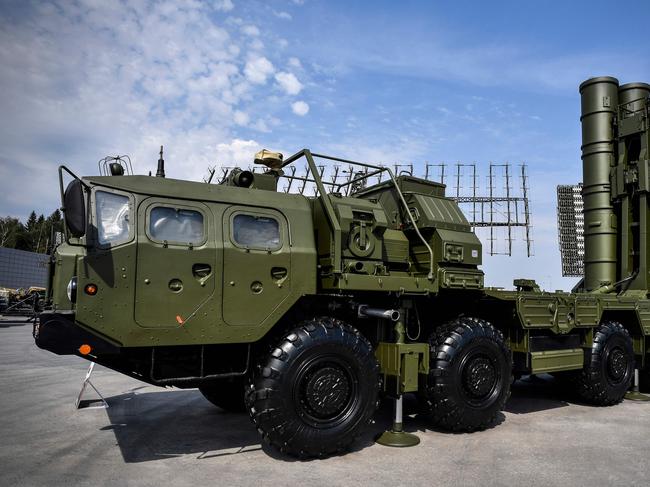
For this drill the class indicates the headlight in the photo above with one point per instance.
(72, 289)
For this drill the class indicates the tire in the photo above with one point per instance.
(227, 394)
(470, 375)
(317, 390)
(607, 376)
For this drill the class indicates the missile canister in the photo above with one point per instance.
(632, 149)
(599, 100)
(632, 96)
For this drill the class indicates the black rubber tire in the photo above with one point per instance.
(227, 394)
(607, 376)
(470, 375)
(317, 390)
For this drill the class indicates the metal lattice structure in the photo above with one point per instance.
(571, 228)
(497, 210)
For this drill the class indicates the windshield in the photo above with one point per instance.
(112, 217)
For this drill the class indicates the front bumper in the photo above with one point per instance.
(58, 333)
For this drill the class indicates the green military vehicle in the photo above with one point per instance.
(306, 311)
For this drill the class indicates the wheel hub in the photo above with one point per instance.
(479, 377)
(617, 364)
(326, 392)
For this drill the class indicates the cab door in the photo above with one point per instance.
(256, 264)
(175, 265)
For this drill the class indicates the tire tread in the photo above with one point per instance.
(589, 383)
(263, 408)
(446, 342)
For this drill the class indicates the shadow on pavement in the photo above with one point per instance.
(537, 393)
(155, 425)
(8, 321)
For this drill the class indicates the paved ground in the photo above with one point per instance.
(153, 436)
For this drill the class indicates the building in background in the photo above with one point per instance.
(21, 269)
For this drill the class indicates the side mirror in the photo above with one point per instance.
(74, 208)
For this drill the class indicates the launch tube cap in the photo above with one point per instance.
(598, 79)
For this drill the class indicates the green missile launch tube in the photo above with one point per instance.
(599, 100)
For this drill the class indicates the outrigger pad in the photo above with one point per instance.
(398, 439)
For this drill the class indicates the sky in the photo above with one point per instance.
(382, 82)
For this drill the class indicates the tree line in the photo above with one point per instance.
(37, 234)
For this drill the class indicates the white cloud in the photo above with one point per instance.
(288, 82)
(300, 108)
(282, 15)
(239, 152)
(295, 62)
(223, 5)
(261, 126)
(80, 82)
(240, 118)
(258, 69)
(250, 30)
(256, 44)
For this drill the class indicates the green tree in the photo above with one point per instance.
(53, 224)
(27, 239)
(10, 230)
(36, 235)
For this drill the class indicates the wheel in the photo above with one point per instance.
(470, 376)
(317, 390)
(606, 377)
(227, 394)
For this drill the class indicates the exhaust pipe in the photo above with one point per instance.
(385, 314)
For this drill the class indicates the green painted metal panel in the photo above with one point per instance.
(256, 282)
(396, 281)
(536, 311)
(124, 309)
(441, 213)
(587, 310)
(454, 278)
(556, 360)
(404, 363)
(643, 312)
(175, 279)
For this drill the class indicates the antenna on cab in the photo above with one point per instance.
(160, 173)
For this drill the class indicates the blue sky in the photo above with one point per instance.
(384, 82)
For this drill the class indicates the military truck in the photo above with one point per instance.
(307, 310)
(25, 302)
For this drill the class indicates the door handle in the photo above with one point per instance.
(201, 270)
(279, 275)
(201, 273)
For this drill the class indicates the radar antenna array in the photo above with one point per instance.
(497, 210)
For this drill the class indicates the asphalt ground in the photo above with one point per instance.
(155, 436)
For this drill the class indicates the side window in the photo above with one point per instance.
(112, 217)
(176, 225)
(256, 231)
